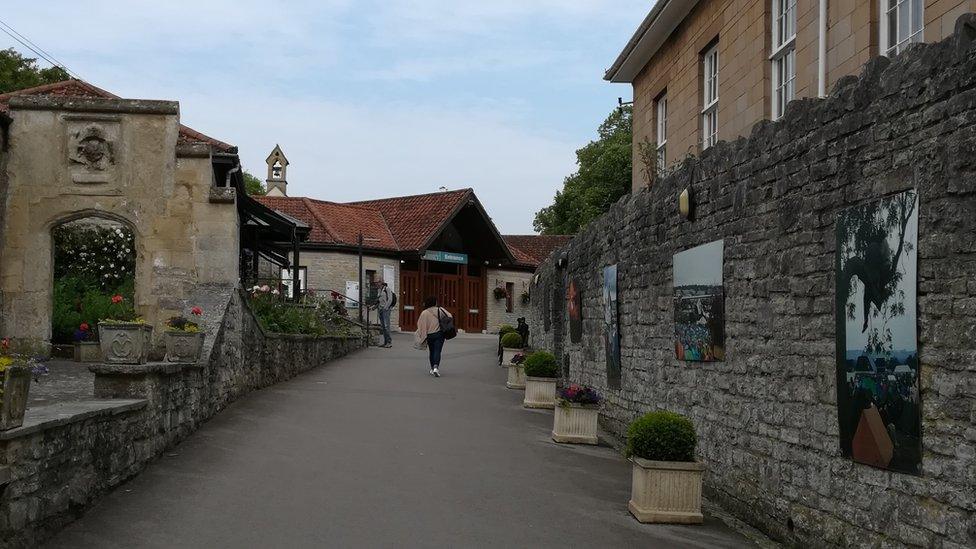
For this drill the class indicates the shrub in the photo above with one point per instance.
(662, 436)
(506, 329)
(541, 364)
(314, 316)
(512, 340)
(580, 394)
(81, 300)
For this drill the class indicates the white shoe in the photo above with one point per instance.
(436, 372)
(431, 371)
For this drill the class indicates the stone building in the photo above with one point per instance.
(73, 151)
(704, 71)
(441, 244)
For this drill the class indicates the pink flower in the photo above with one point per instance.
(84, 327)
(196, 311)
(117, 299)
(265, 288)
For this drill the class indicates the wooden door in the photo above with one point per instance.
(411, 300)
(450, 296)
(474, 309)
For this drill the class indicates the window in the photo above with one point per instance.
(901, 24)
(286, 279)
(509, 297)
(372, 288)
(710, 97)
(662, 134)
(784, 55)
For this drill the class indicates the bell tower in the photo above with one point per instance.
(277, 184)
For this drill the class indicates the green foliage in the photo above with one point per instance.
(312, 317)
(81, 300)
(104, 254)
(253, 185)
(512, 340)
(506, 329)
(18, 72)
(662, 436)
(603, 176)
(541, 364)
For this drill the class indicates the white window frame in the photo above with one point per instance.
(710, 94)
(286, 280)
(783, 58)
(897, 9)
(661, 107)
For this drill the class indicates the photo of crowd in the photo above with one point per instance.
(699, 304)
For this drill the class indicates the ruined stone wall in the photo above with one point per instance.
(60, 465)
(766, 416)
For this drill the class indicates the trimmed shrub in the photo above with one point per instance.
(541, 364)
(662, 436)
(512, 340)
(506, 329)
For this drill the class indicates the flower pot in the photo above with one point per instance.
(516, 376)
(540, 392)
(575, 423)
(147, 331)
(666, 491)
(87, 351)
(124, 342)
(508, 354)
(14, 386)
(183, 346)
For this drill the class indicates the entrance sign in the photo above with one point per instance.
(446, 257)
(352, 294)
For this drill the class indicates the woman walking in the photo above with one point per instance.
(429, 332)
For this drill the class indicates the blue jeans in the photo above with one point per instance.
(435, 342)
(385, 326)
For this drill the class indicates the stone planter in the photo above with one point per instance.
(666, 491)
(516, 376)
(575, 423)
(87, 351)
(14, 386)
(183, 346)
(508, 354)
(540, 392)
(125, 342)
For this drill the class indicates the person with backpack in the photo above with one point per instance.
(434, 327)
(386, 301)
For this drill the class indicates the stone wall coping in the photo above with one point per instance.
(43, 418)
(94, 104)
(305, 337)
(164, 368)
(668, 465)
(193, 150)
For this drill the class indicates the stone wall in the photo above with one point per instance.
(766, 416)
(64, 458)
(497, 308)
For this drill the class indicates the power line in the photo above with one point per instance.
(29, 44)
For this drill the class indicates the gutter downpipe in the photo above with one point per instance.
(822, 54)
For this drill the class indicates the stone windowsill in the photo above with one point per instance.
(43, 418)
(164, 368)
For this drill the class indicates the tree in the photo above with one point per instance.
(18, 72)
(603, 176)
(253, 185)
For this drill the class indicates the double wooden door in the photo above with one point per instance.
(462, 296)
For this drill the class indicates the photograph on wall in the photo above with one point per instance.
(699, 304)
(878, 403)
(574, 308)
(611, 328)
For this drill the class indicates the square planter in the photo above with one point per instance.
(666, 491)
(125, 343)
(575, 423)
(540, 392)
(508, 354)
(14, 386)
(147, 349)
(183, 346)
(87, 351)
(516, 376)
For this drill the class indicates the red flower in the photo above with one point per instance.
(197, 311)
(84, 327)
(5, 343)
(117, 299)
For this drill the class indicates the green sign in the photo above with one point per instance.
(446, 257)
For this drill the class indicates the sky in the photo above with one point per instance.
(367, 98)
(700, 266)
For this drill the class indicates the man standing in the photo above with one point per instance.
(385, 303)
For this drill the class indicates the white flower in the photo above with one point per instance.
(275, 292)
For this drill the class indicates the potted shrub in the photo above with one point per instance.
(511, 345)
(526, 298)
(184, 340)
(541, 372)
(516, 372)
(667, 480)
(16, 369)
(577, 411)
(86, 345)
(499, 293)
(123, 337)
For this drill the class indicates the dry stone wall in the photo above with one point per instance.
(766, 416)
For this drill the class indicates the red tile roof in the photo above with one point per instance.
(414, 220)
(80, 88)
(532, 250)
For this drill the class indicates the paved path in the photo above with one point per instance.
(372, 452)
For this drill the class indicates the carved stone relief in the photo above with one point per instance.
(93, 150)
